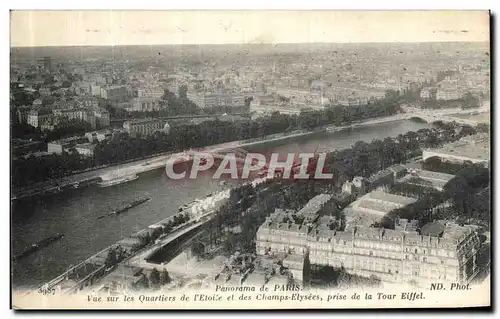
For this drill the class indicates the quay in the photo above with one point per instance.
(85, 273)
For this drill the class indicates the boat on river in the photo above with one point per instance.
(37, 246)
(118, 180)
(124, 209)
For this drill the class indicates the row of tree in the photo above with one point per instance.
(468, 101)
(459, 201)
(150, 237)
(123, 147)
(155, 280)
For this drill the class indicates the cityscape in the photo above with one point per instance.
(404, 129)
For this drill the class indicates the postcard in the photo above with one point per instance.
(250, 159)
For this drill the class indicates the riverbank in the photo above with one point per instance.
(199, 211)
(143, 165)
(76, 211)
(156, 161)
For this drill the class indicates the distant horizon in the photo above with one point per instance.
(222, 44)
(212, 27)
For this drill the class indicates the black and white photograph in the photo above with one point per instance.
(250, 159)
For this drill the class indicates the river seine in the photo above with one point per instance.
(75, 213)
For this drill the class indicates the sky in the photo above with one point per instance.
(74, 28)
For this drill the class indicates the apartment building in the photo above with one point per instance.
(44, 64)
(38, 117)
(440, 251)
(428, 93)
(143, 126)
(448, 94)
(85, 149)
(371, 207)
(115, 93)
(84, 114)
(429, 179)
(65, 144)
(146, 104)
(204, 100)
(150, 92)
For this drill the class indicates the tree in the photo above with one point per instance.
(198, 249)
(154, 277)
(183, 92)
(144, 283)
(470, 101)
(164, 277)
(112, 258)
(231, 244)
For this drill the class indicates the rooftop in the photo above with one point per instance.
(435, 229)
(314, 205)
(389, 198)
(434, 175)
(88, 146)
(378, 175)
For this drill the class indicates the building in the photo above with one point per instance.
(102, 118)
(114, 93)
(440, 252)
(143, 126)
(95, 90)
(45, 91)
(83, 114)
(288, 233)
(37, 103)
(428, 93)
(44, 64)
(87, 102)
(146, 104)
(474, 148)
(301, 98)
(85, 149)
(448, 94)
(204, 100)
(427, 179)
(61, 145)
(371, 207)
(22, 114)
(151, 92)
(385, 177)
(99, 135)
(37, 118)
(356, 186)
(352, 101)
